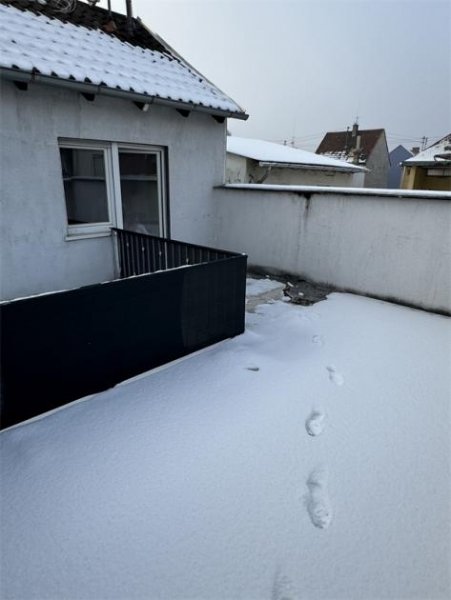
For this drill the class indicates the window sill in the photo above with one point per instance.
(70, 237)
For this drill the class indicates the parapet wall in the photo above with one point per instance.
(390, 244)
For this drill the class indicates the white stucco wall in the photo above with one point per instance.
(34, 256)
(245, 170)
(369, 242)
(236, 169)
(281, 176)
(378, 165)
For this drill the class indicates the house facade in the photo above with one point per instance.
(258, 161)
(111, 145)
(430, 169)
(99, 130)
(364, 147)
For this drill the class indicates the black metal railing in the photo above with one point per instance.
(140, 253)
(63, 346)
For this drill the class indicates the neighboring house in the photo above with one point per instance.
(102, 125)
(364, 147)
(105, 128)
(397, 156)
(430, 169)
(257, 161)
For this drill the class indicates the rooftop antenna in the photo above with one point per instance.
(346, 140)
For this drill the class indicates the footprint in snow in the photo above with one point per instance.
(253, 368)
(282, 588)
(314, 425)
(318, 340)
(318, 503)
(335, 376)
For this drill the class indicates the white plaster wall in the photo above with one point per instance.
(34, 255)
(236, 169)
(382, 245)
(379, 165)
(308, 177)
(243, 170)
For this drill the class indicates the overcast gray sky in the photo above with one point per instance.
(304, 67)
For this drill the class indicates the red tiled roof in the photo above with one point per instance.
(340, 143)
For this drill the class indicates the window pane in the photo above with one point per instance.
(84, 186)
(132, 163)
(140, 192)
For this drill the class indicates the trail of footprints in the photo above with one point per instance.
(317, 499)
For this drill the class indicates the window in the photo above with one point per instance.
(107, 184)
(141, 204)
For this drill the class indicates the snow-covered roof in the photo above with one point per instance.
(45, 46)
(435, 154)
(269, 152)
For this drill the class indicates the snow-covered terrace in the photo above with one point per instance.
(307, 458)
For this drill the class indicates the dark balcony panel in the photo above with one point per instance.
(59, 347)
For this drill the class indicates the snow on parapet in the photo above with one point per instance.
(35, 43)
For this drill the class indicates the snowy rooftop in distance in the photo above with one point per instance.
(269, 152)
(443, 146)
(307, 458)
(63, 50)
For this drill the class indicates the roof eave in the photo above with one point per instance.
(428, 163)
(307, 166)
(103, 90)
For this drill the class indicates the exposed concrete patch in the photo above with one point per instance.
(292, 289)
(298, 291)
(305, 292)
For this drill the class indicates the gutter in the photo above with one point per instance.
(174, 54)
(103, 90)
(431, 164)
(308, 167)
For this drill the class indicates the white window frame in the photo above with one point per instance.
(113, 186)
(161, 169)
(88, 230)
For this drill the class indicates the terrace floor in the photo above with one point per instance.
(308, 458)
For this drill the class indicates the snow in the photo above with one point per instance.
(256, 287)
(307, 458)
(71, 52)
(269, 152)
(261, 187)
(443, 146)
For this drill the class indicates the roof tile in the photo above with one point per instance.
(74, 47)
(338, 144)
